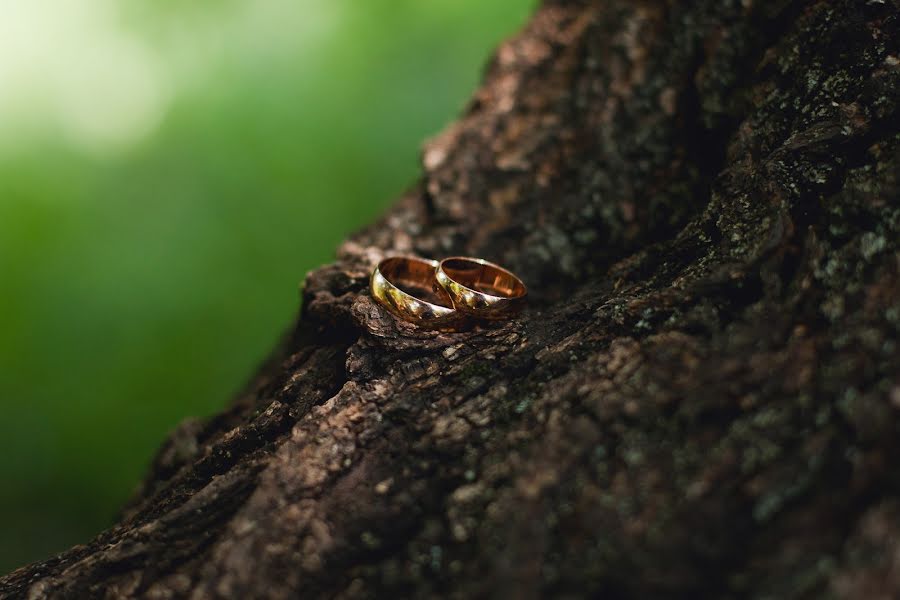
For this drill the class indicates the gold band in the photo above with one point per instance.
(406, 286)
(481, 288)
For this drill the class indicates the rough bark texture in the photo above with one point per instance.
(702, 399)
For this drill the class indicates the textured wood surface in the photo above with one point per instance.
(701, 400)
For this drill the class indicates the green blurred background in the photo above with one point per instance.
(169, 171)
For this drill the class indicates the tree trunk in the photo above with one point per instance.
(701, 399)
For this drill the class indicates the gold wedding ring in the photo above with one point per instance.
(480, 288)
(407, 287)
(439, 295)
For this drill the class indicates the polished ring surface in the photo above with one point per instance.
(406, 286)
(481, 288)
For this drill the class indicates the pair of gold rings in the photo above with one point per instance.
(443, 295)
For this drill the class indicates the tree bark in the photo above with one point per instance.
(701, 399)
